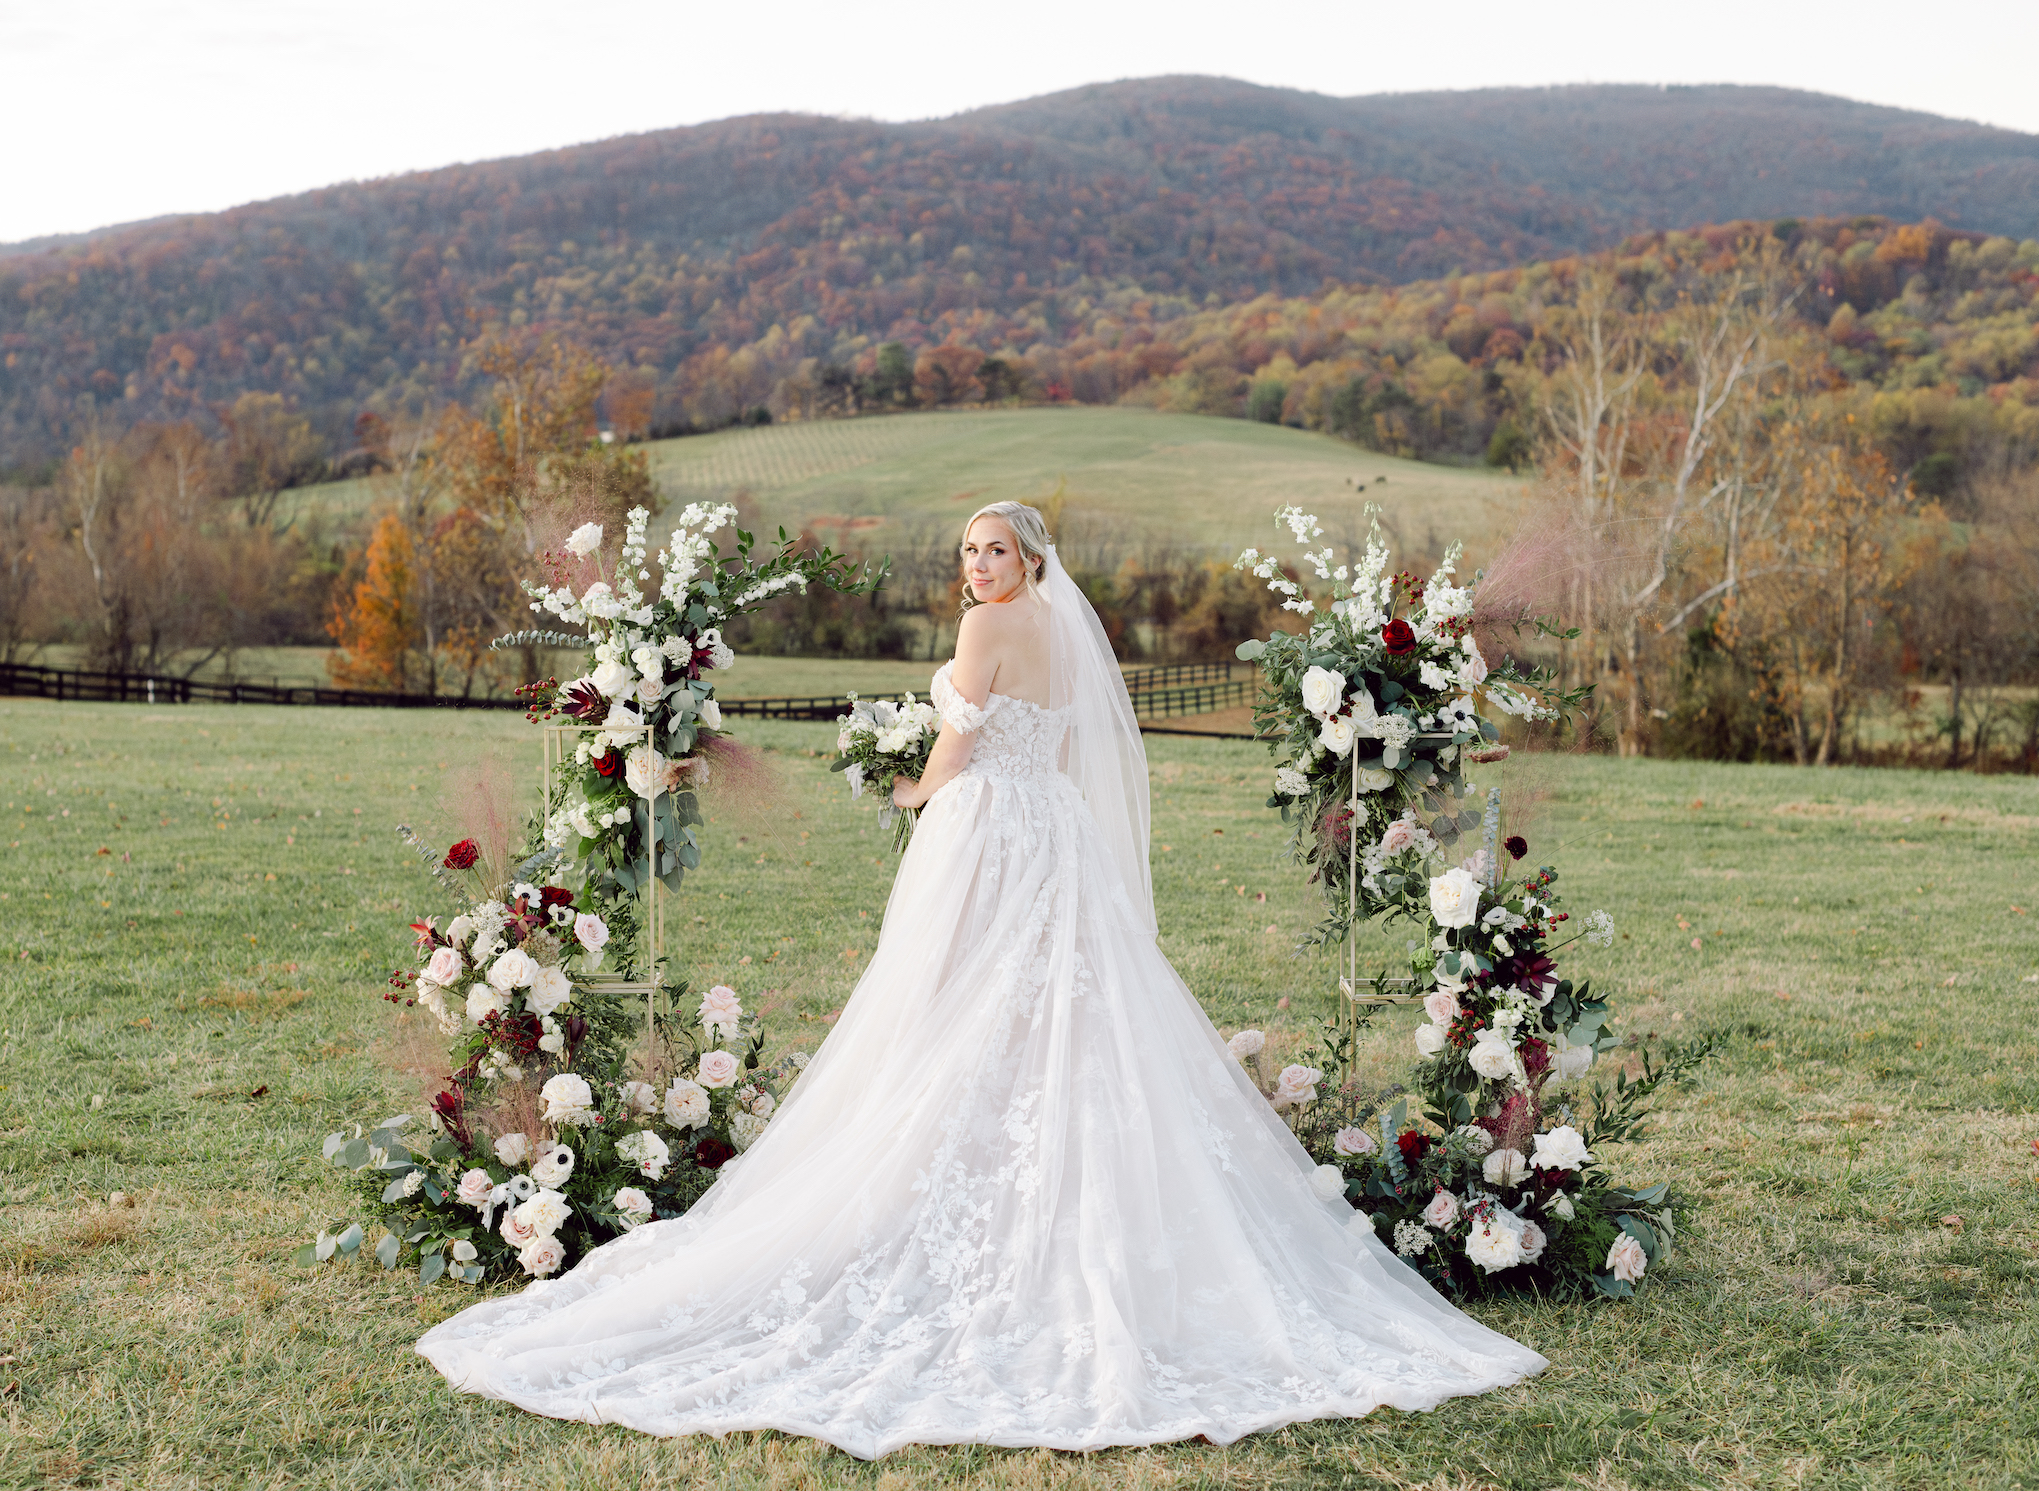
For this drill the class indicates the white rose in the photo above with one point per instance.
(590, 931)
(1563, 1148)
(763, 1104)
(720, 1009)
(1505, 1167)
(1492, 1058)
(566, 1098)
(458, 931)
(542, 1256)
(646, 772)
(444, 968)
(1533, 1242)
(1337, 736)
(633, 1206)
(482, 1001)
(638, 1097)
(475, 1188)
(512, 1148)
(718, 1069)
(545, 1213)
(1297, 1084)
(515, 1231)
(1493, 1244)
(1323, 692)
(550, 988)
(1442, 1210)
(552, 1168)
(1567, 1060)
(1375, 779)
(584, 540)
(1429, 1040)
(1328, 1182)
(513, 970)
(1455, 898)
(1246, 1043)
(1626, 1260)
(1352, 1141)
(1442, 1006)
(711, 714)
(686, 1104)
(1560, 1206)
(1362, 1221)
(613, 679)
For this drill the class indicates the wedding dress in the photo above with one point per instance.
(1022, 1195)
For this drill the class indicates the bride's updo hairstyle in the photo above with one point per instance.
(1029, 529)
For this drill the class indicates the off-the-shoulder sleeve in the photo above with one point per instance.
(957, 712)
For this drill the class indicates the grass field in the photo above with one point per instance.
(1200, 480)
(200, 904)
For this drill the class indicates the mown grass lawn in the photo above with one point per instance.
(199, 906)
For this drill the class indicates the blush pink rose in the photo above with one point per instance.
(517, 1234)
(475, 1188)
(1533, 1242)
(1626, 1260)
(542, 1256)
(1441, 1006)
(1442, 1210)
(720, 1008)
(590, 931)
(718, 1069)
(1401, 835)
(444, 968)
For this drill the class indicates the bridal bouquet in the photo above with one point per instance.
(1501, 1185)
(879, 740)
(560, 1125)
(1387, 685)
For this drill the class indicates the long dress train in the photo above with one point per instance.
(1022, 1195)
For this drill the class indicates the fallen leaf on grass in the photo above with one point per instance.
(1953, 1223)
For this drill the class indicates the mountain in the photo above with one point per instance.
(717, 261)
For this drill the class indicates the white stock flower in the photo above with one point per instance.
(1429, 1040)
(552, 1168)
(1354, 1141)
(686, 1104)
(544, 1214)
(1626, 1260)
(1563, 1148)
(1323, 692)
(1473, 671)
(1505, 1167)
(566, 1098)
(1246, 1043)
(1433, 676)
(1455, 898)
(512, 1148)
(550, 988)
(1328, 1182)
(584, 540)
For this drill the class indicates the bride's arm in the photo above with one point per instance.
(971, 675)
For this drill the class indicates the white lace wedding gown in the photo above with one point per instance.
(1021, 1196)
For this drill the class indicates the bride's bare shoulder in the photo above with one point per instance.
(1013, 619)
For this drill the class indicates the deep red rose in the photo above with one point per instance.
(712, 1153)
(1413, 1145)
(1398, 637)
(1516, 845)
(462, 856)
(550, 896)
(609, 763)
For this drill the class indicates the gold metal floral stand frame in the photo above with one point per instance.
(1353, 990)
(561, 743)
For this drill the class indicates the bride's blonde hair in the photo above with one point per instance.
(1029, 530)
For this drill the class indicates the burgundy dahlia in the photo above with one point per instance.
(1516, 845)
(712, 1153)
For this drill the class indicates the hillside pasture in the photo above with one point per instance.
(201, 904)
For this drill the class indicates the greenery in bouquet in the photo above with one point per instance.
(1500, 1183)
(1378, 700)
(879, 740)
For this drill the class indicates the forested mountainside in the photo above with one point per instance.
(718, 263)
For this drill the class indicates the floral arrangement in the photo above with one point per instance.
(1386, 685)
(881, 739)
(1499, 1185)
(558, 1128)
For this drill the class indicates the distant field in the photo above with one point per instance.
(1202, 481)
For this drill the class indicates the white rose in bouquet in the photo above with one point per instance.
(482, 1001)
(1505, 1167)
(613, 679)
(1354, 1141)
(745, 1130)
(457, 932)
(1492, 1057)
(1442, 1210)
(590, 931)
(1338, 736)
(763, 1104)
(545, 1213)
(1246, 1043)
(475, 1188)
(1362, 1221)
(686, 1104)
(1442, 1006)
(542, 1256)
(1560, 1206)
(1626, 1260)
(718, 1069)
(1563, 1148)
(711, 714)
(549, 990)
(1455, 898)
(584, 540)
(515, 1231)
(646, 1151)
(1533, 1242)
(513, 970)
(1399, 838)
(445, 966)
(567, 1098)
(1429, 1040)
(638, 1097)
(552, 1168)
(1569, 1062)
(1323, 692)
(1494, 1241)
(1328, 1182)
(1375, 779)
(720, 1010)
(1297, 1084)
(633, 1207)
(511, 1149)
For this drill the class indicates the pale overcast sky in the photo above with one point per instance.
(115, 110)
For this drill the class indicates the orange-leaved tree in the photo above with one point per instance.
(377, 625)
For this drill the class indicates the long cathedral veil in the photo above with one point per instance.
(1106, 758)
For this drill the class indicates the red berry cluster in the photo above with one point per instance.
(1464, 1030)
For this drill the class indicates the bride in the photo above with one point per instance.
(1022, 1195)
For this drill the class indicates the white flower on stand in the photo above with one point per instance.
(1323, 692)
(711, 714)
(1563, 1148)
(482, 1001)
(1569, 1061)
(1328, 1182)
(550, 988)
(1492, 1057)
(567, 1099)
(584, 540)
(1338, 736)
(1455, 898)
(515, 969)
(613, 679)
(646, 1151)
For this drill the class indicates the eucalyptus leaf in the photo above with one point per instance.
(1251, 650)
(394, 1191)
(306, 1256)
(433, 1266)
(350, 1240)
(323, 1248)
(353, 1154)
(386, 1251)
(334, 1144)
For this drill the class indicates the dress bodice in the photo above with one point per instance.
(1014, 737)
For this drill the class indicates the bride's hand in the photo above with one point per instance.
(906, 792)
